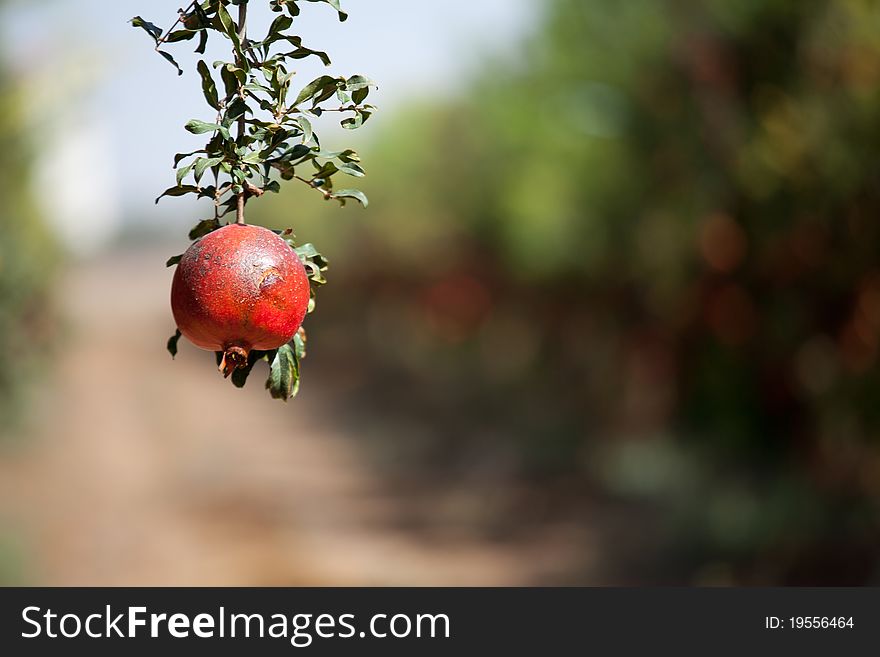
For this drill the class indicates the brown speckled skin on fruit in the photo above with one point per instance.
(239, 286)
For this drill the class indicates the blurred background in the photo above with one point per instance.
(612, 316)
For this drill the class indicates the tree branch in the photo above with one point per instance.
(180, 16)
(242, 125)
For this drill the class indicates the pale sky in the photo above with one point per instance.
(92, 74)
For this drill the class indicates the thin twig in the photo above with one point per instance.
(313, 186)
(291, 110)
(351, 108)
(242, 123)
(217, 194)
(180, 16)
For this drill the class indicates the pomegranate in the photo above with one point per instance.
(239, 288)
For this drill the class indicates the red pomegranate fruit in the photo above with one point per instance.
(239, 288)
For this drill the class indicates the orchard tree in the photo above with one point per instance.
(242, 291)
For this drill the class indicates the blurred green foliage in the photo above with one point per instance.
(27, 259)
(639, 261)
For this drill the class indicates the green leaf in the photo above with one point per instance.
(234, 110)
(240, 376)
(254, 157)
(318, 88)
(182, 172)
(292, 7)
(356, 121)
(153, 30)
(356, 194)
(313, 261)
(295, 153)
(254, 86)
(180, 190)
(279, 25)
(203, 42)
(360, 95)
(202, 13)
(230, 79)
(200, 127)
(306, 126)
(204, 163)
(173, 260)
(356, 82)
(179, 35)
(335, 4)
(230, 29)
(182, 156)
(299, 343)
(203, 228)
(207, 192)
(226, 21)
(172, 343)
(171, 61)
(303, 52)
(306, 251)
(209, 88)
(325, 170)
(283, 382)
(352, 169)
(314, 274)
(347, 155)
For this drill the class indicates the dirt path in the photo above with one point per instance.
(144, 471)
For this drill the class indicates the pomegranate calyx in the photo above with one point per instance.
(234, 358)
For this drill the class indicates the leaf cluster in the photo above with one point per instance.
(283, 380)
(254, 93)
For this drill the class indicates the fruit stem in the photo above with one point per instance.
(242, 37)
(239, 210)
